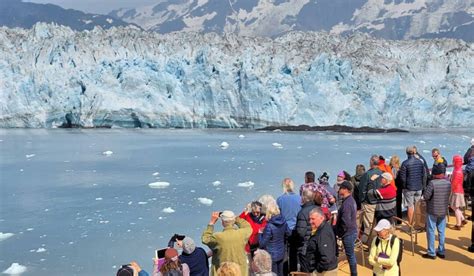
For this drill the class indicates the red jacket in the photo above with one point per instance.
(255, 227)
(457, 177)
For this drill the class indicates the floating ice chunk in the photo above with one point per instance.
(168, 210)
(205, 201)
(277, 145)
(228, 191)
(159, 185)
(426, 151)
(299, 147)
(241, 136)
(108, 152)
(98, 198)
(15, 269)
(422, 142)
(216, 183)
(224, 145)
(4, 236)
(156, 173)
(246, 184)
(348, 153)
(30, 229)
(40, 250)
(142, 202)
(30, 155)
(277, 130)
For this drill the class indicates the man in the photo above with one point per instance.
(386, 169)
(412, 174)
(386, 197)
(436, 154)
(469, 170)
(322, 248)
(290, 205)
(346, 227)
(427, 176)
(303, 228)
(228, 245)
(369, 181)
(436, 195)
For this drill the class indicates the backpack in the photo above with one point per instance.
(392, 241)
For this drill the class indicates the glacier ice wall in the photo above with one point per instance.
(52, 76)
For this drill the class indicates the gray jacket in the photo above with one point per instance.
(436, 195)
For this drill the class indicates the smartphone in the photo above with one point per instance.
(160, 253)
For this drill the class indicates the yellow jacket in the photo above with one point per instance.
(377, 262)
(228, 245)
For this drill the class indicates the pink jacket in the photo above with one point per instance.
(457, 177)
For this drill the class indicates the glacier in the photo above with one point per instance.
(52, 76)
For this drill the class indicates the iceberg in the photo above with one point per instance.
(158, 185)
(168, 210)
(4, 236)
(205, 201)
(15, 269)
(246, 184)
(52, 76)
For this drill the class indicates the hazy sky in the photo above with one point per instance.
(97, 6)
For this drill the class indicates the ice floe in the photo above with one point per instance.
(15, 269)
(277, 145)
(156, 173)
(108, 152)
(168, 210)
(224, 145)
(4, 236)
(216, 183)
(205, 201)
(40, 250)
(30, 156)
(159, 185)
(246, 184)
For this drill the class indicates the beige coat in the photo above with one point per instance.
(228, 245)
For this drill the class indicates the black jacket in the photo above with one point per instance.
(322, 248)
(412, 173)
(303, 228)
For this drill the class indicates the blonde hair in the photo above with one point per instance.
(266, 200)
(262, 261)
(228, 269)
(288, 185)
(272, 210)
(395, 161)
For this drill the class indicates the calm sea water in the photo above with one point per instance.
(75, 211)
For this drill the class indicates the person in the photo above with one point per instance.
(253, 215)
(322, 197)
(386, 168)
(457, 192)
(324, 182)
(385, 196)
(229, 269)
(262, 263)
(172, 265)
(346, 227)
(436, 195)
(266, 200)
(131, 269)
(370, 180)
(355, 180)
(322, 248)
(228, 245)
(273, 237)
(436, 154)
(412, 175)
(383, 252)
(395, 165)
(341, 177)
(303, 228)
(469, 184)
(290, 205)
(425, 164)
(196, 258)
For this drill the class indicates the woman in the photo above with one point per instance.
(395, 166)
(172, 265)
(355, 180)
(253, 215)
(383, 255)
(273, 237)
(457, 192)
(229, 269)
(341, 177)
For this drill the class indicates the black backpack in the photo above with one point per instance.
(392, 241)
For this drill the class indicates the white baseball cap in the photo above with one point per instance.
(227, 215)
(383, 224)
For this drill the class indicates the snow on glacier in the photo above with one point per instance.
(51, 76)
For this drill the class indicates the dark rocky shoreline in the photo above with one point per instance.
(335, 128)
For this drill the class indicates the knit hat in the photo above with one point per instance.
(125, 270)
(188, 245)
(382, 224)
(341, 174)
(438, 168)
(171, 254)
(346, 185)
(227, 215)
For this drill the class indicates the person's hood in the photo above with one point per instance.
(277, 220)
(457, 161)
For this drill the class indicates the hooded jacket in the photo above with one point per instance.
(273, 237)
(457, 177)
(256, 224)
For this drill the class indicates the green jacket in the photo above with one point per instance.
(228, 245)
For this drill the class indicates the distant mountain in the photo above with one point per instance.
(389, 19)
(16, 13)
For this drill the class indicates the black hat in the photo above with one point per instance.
(125, 270)
(439, 168)
(346, 185)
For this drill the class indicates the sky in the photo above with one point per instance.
(96, 6)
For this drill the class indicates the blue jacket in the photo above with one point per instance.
(412, 172)
(197, 261)
(273, 237)
(347, 217)
(290, 205)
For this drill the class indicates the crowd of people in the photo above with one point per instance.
(305, 229)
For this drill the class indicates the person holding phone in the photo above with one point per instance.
(131, 269)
